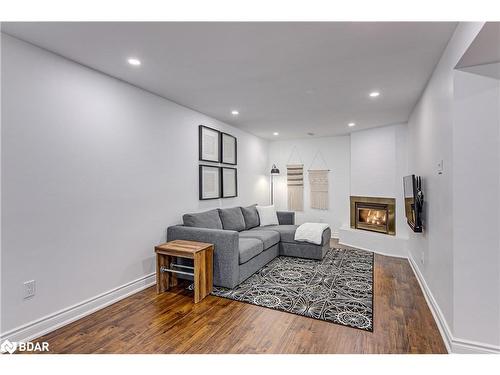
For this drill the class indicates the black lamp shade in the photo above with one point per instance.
(275, 170)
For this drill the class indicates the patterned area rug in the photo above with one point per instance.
(338, 289)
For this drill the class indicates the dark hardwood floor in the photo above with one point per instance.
(172, 323)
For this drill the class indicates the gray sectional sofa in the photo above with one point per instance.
(242, 246)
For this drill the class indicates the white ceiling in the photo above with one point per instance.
(292, 78)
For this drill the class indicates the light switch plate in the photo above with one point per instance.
(440, 167)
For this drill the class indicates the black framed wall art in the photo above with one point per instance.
(209, 144)
(229, 149)
(229, 182)
(209, 182)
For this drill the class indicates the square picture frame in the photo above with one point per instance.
(209, 182)
(228, 149)
(209, 144)
(229, 182)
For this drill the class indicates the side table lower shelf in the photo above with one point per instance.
(202, 270)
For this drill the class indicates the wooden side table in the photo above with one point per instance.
(202, 270)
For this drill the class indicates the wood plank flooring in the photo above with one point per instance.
(172, 323)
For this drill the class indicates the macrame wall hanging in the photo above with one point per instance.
(295, 184)
(318, 184)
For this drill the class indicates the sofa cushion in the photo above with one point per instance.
(267, 215)
(287, 232)
(208, 219)
(232, 219)
(251, 216)
(268, 237)
(249, 248)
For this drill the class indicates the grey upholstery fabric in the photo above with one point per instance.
(251, 216)
(287, 232)
(232, 219)
(305, 249)
(286, 217)
(256, 263)
(226, 254)
(268, 237)
(239, 255)
(249, 247)
(208, 219)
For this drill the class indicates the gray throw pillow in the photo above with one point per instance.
(232, 219)
(208, 219)
(251, 216)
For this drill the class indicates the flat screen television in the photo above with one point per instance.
(414, 201)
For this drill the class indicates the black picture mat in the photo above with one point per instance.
(221, 156)
(235, 182)
(200, 144)
(200, 182)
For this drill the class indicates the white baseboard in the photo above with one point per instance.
(377, 242)
(70, 314)
(453, 344)
(460, 346)
(372, 251)
(443, 327)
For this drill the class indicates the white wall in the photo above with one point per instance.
(93, 171)
(430, 140)
(335, 151)
(378, 164)
(476, 202)
(430, 129)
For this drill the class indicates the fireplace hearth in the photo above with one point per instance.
(373, 214)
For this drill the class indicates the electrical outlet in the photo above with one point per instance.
(29, 289)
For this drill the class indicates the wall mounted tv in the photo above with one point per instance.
(414, 201)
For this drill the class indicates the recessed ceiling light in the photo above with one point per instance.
(374, 94)
(234, 112)
(351, 124)
(133, 61)
(276, 133)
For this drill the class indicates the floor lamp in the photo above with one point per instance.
(274, 172)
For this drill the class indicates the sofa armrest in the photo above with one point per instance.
(226, 250)
(286, 217)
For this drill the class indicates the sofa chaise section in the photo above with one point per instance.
(300, 249)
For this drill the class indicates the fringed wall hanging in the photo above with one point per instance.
(318, 185)
(318, 182)
(295, 186)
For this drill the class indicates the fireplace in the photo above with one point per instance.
(373, 214)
